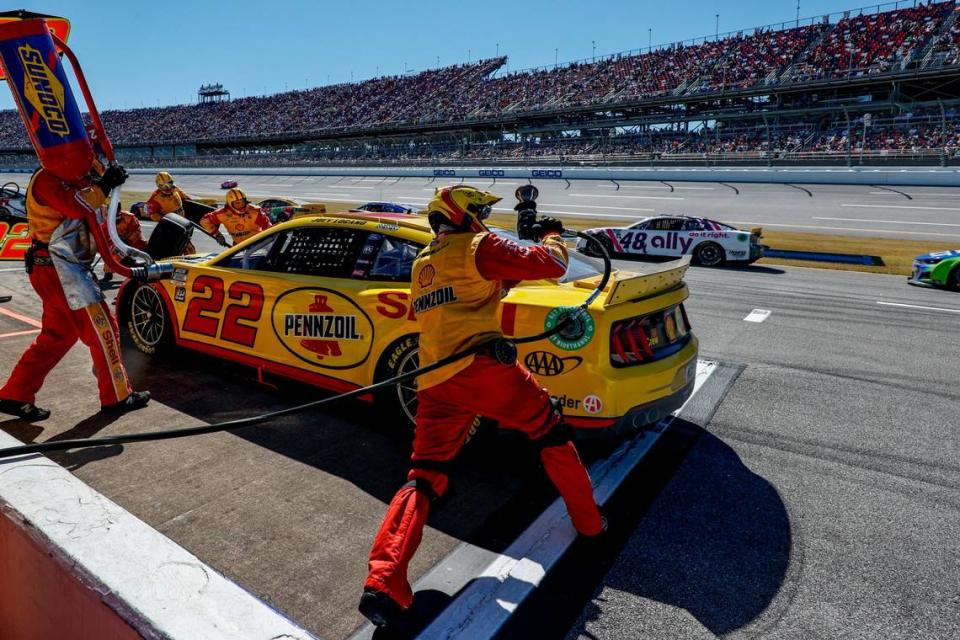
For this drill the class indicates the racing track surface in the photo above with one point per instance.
(813, 496)
(918, 213)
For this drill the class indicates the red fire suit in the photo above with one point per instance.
(242, 224)
(73, 307)
(130, 231)
(448, 402)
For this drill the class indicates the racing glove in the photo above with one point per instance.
(539, 228)
(547, 225)
(221, 240)
(526, 219)
(113, 177)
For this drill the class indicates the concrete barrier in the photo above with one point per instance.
(74, 564)
(891, 176)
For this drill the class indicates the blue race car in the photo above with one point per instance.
(385, 207)
(937, 269)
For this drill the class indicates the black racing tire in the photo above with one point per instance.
(400, 401)
(953, 278)
(591, 248)
(709, 254)
(148, 321)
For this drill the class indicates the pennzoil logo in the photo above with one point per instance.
(43, 90)
(323, 328)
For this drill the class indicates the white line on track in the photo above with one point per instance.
(757, 315)
(898, 206)
(592, 206)
(917, 306)
(28, 332)
(934, 224)
(824, 228)
(11, 270)
(917, 195)
(640, 186)
(604, 195)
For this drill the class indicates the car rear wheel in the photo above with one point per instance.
(709, 254)
(147, 320)
(591, 248)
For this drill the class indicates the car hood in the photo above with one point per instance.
(940, 255)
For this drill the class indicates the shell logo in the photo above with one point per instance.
(426, 276)
(323, 328)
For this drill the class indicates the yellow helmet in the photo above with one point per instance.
(164, 180)
(463, 207)
(234, 196)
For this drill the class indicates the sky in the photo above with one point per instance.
(137, 53)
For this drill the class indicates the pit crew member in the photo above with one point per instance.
(60, 214)
(167, 198)
(130, 231)
(242, 219)
(458, 281)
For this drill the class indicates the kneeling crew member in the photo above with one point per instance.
(458, 281)
(60, 266)
(242, 219)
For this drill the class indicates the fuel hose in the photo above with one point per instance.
(570, 320)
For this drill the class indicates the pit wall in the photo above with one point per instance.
(41, 598)
(74, 564)
(892, 176)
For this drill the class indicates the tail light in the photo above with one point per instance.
(649, 338)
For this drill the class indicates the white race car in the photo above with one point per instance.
(711, 243)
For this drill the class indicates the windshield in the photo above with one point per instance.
(578, 267)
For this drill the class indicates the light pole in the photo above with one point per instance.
(498, 50)
(649, 39)
(798, 13)
(594, 43)
(556, 53)
(717, 31)
(469, 55)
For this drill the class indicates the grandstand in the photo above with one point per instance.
(790, 93)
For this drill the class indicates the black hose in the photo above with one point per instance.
(168, 434)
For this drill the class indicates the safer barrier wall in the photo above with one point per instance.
(892, 176)
(74, 564)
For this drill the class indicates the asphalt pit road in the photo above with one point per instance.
(716, 543)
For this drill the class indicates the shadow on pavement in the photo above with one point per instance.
(497, 474)
(715, 543)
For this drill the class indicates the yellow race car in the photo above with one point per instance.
(326, 300)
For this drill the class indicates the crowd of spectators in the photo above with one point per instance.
(873, 43)
(869, 43)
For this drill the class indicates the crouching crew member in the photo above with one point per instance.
(242, 219)
(130, 231)
(59, 214)
(458, 281)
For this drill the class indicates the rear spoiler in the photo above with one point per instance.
(628, 286)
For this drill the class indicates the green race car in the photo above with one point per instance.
(937, 269)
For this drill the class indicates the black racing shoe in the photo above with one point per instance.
(24, 410)
(380, 609)
(134, 401)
